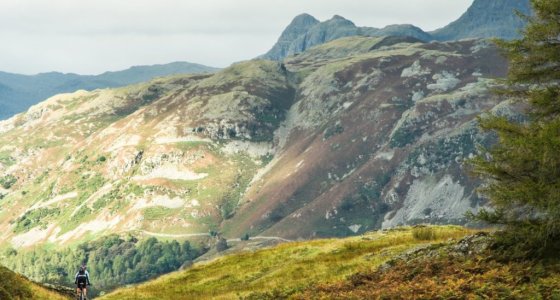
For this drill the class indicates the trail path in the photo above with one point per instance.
(187, 235)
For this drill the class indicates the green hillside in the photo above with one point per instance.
(437, 262)
(16, 287)
(287, 268)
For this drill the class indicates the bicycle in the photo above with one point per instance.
(81, 295)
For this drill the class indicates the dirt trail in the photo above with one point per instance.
(187, 235)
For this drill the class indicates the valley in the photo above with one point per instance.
(309, 172)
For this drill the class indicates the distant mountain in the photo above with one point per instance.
(19, 92)
(305, 32)
(484, 19)
(299, 26)
(487, 19)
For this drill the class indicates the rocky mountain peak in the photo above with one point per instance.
(484, 19)
(337, 19)
(299, 25)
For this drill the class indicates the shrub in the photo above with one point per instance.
(423, 233)
(8, 181)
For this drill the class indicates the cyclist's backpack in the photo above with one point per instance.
(81, 276)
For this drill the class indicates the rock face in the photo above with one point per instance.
(19, 92)
(305, 32)
(486, 19)
(352, 135)
(299, 26)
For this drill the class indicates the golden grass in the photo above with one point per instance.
(291, 266)
(15, 286)
(41, 293)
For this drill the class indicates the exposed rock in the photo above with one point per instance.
(221, 244)
(299, 25)
(352, 135)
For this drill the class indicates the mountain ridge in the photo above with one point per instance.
(483, 19)
(22, 91)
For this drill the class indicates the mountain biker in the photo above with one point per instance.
(81, 280)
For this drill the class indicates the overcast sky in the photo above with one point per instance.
(93, 36)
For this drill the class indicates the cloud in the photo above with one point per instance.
(92, 36)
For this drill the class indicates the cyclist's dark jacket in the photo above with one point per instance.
(82, 277)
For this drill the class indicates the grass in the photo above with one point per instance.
(424, 233)
(449, 276)
(14, 286)
(288, 268)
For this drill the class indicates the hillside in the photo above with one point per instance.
(483, 19)
(16, 287)
(404, 263)
(355, 135)
(19, 92)
(277, 272)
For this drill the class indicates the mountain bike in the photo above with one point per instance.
(80, 295)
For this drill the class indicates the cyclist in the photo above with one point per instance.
(81, 280)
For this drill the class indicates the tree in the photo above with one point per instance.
(522, 170)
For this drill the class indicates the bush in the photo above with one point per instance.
(8, 181)
(423, 233)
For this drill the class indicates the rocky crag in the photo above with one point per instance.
(484, 19)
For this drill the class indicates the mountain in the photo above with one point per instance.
(299, 26)
(305, 32)
(353, 135)
(19, 92)
(484, 19)
(487, 19)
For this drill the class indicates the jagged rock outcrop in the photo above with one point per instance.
(299, 26)
(484, 19)
(305, 32)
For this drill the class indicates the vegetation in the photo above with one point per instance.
(284, 269)
(34, 218)
(14, 286)
(523, 169)
(8, 181)
(6, 159)
(112, 261)
(447, 275)
(424, 233)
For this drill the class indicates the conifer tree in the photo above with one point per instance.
(522, 170)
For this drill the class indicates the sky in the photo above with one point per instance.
(94, 36)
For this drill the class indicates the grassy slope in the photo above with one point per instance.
(443, 272)
(283, 269)
(14, 286)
